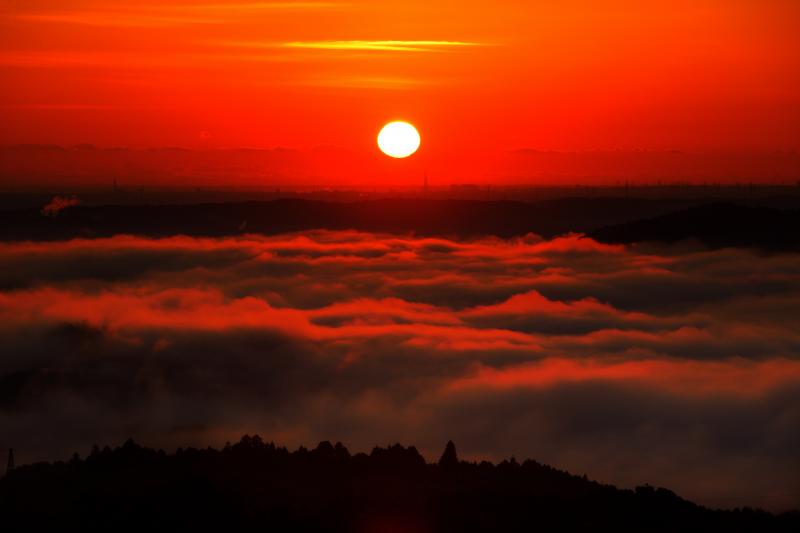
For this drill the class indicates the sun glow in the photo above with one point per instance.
(398, 139)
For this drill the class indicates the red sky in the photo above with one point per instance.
(477, 78)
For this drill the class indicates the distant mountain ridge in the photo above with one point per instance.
(86, 164)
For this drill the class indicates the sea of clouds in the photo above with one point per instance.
(675, 366)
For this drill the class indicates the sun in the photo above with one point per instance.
(398, 139)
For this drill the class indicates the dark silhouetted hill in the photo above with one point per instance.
(460, 218)
(257, 486)
(715, 225)
(422, 216)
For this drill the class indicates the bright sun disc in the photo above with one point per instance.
(398, 139)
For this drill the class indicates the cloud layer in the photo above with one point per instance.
(668, 366)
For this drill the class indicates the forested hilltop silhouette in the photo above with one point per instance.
(254, 485)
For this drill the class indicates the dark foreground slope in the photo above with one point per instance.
(260, 487)
(715, 225)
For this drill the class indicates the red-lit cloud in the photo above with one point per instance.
(603, 359)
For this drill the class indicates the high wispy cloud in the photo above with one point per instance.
(380, 46)
(660, 366)
(167, 15)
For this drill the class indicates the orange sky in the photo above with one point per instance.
(477, 78)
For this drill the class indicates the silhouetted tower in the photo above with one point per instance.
(10, 465)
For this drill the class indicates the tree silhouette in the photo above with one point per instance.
(257, 485)
(449, 459)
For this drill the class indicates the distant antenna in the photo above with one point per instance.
(10, 466)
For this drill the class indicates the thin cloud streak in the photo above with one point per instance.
(61, 107)
(169, 15)
(380, 46)
(362, 82)
(130, 61)
(256, 6)
(110, 19)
